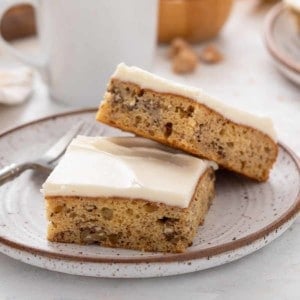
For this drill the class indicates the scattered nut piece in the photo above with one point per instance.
(211, 55)
(177, 46)
(185, 61)
(184, 58)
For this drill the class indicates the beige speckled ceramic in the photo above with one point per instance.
(283, 42)
(244, 217)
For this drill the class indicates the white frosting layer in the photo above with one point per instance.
(293, 3)
(150, 81)
(127, 167)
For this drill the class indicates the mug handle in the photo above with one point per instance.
(38, 62)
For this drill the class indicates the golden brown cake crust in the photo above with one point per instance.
(190, 126)
(129, 223)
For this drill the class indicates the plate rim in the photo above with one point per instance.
(270, 21)
(164, 257)
(289, 75)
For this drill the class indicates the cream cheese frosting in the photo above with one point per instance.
(127, 167)
(153, 82)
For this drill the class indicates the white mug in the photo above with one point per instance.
(83, 41)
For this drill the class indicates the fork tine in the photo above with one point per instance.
(86, 129)
(93, 129)
(60, 146)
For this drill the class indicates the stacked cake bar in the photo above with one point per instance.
(127, 192)
(186, 118)
(151, 193)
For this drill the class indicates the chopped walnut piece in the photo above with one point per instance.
(185, 61)
(184, 58)
(177, 45)
(211, 55)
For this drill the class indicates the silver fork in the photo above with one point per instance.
(47, 160)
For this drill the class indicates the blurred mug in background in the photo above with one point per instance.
(82, 42)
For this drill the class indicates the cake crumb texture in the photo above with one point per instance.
(129, 223)
(188, 125)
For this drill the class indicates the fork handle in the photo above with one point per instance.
(12, 171)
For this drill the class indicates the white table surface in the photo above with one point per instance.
(246, 79)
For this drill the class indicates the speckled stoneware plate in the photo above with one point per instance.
(244, 216)
(283, 42)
